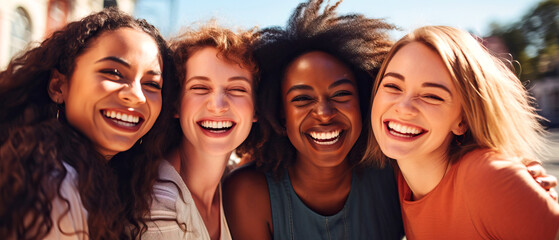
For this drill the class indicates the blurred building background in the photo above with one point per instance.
(30, 21)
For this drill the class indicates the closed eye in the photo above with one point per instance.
(434, 99)
(392, 86)
(301, 98)
(199, 89)
(153, 85)
(237, 91)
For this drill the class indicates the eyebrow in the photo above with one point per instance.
(436, 85)
(395, 75)
(204, 78)
(299, 87)
(125, 63)
(426, 84)
(333, 85)
(341, 82)
(114, 59)
(237, 78)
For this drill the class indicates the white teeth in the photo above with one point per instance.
(216, 124)
(325, 135)
(328, 142)
(401, 129)
(125, 119)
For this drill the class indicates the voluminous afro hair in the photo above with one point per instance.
(359, 42)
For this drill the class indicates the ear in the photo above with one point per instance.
(58, 87)
(460, 128)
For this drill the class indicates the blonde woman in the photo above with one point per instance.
(454, 118)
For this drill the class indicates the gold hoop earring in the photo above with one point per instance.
(141, 141)
(57, 113)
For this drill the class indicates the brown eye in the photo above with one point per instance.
(342, 96)
(112, 73)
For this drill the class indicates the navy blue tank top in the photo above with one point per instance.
(371, 211)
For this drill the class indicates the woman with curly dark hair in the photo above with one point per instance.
(71, 110)
(315, 83)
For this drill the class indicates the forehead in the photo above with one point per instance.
(417, 61)
(316, 68)
(206, 62)
(125, 42)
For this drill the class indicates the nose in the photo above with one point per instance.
(132, 94)
(324, 111)
(405, 107)
(218, 102)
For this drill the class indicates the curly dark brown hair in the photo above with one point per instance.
(359, 42)
(34, 143)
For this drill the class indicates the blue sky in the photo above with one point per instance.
(473, 15)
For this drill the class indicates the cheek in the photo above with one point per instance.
(244, 106)
(155, 101)
(189, 105)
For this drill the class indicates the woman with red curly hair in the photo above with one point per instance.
(214, 114)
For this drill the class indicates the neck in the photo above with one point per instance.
(423, 174)
(318, 178)
(322, 189)
(201, 172)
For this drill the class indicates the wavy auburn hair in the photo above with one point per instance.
(232, 46)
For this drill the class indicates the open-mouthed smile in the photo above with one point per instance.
(216, 127)
(129, 121)
(326, 138)
(402, 130)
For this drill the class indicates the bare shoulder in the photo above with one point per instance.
(246, 202)
(246, 178)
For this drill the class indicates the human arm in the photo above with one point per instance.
(246, 202)
(505, 202)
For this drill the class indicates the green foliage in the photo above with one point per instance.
(534, 40)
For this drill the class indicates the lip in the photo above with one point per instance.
(405, 137)
(120, 124)
(222, 132)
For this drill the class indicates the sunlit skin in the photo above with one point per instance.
(415, 113)
(118, 74)
(216, 114)
(323, 122)
(321, 106)
(217, 108)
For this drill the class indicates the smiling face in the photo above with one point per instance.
(114, 93)
(417, 108)
(321, 106)
(216, 108)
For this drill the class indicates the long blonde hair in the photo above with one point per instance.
(496, 107)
